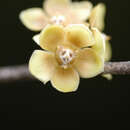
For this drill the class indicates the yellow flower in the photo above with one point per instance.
(56, 11)
(96, 20)
(69, 53)
(108, 55)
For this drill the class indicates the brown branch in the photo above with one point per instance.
(21, 73)
(15, 73)
(117, 68)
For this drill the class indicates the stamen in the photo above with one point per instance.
(66, 56)
(58, 19)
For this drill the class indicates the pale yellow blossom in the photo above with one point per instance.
(108, 55)
(97, 20)
(56, 12)
(69, 53)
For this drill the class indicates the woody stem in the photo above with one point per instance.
(20, 72)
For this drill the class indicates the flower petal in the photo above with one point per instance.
(107, 76)
(108, 51)
(36, 38)
(51, 36)
(79, 35)
(42, 65)
(82, 9)
(56, 7)
(99, 46)
(88, 63)
(97, 16)
(34, 18)
(65, 80)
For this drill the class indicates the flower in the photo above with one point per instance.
(56, 11)
(96, 20)
(69, 53)
(108, 55)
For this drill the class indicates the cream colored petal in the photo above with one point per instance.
(97, 16)
(51, 36)
(65, 80)
(82, 9)
(79, 35)
(34, 18)
(36, 38)
(108, 51)
(106, 37)
(107, 76)
(42, 65)
(99, 46)
(88, 63)
(56, 7)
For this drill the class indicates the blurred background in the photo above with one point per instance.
(34, 105)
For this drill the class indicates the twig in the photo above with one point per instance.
(20, 73)
(117, 68)
(15, 73)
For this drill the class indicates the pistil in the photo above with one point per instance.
(65, 56)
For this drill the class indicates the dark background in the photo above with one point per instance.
(33, 105)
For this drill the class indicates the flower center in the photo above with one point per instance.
(58, 19)
(65, 56)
